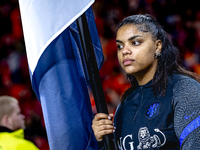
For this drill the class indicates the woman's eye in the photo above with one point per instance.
(136, 43)
(119, 47)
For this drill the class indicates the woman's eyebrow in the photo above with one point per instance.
(131, 38)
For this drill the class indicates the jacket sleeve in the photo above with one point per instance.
(186, 104)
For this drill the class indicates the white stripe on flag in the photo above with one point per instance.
(44, 20)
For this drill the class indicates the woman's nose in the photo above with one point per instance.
(126, 50)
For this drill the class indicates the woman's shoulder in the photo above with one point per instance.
(175, 79)
(185, 83)
(186, 90)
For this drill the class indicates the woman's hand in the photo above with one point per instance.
(102, 124)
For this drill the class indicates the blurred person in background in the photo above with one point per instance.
(161, 109)
(12, 125)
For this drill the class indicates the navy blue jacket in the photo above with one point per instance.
(145, 122)
(171, 122)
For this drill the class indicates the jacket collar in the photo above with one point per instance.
(18, 133)
(148, 84)
(4, 129)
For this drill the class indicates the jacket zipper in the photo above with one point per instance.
(140, 102)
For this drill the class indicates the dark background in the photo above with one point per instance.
(180, 18)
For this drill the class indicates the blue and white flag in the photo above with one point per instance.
(57, 69)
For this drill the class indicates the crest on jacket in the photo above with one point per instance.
(153, 110)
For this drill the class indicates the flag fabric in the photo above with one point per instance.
(57, 69)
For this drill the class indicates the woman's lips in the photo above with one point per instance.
(127, 62)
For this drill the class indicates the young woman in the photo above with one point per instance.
(161, 109)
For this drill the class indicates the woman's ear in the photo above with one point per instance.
(158, 45)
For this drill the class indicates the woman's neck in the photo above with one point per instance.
(144, 80)
(145, 76)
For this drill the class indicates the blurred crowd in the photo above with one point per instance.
(180, 18)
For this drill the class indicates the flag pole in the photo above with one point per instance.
(94, 76)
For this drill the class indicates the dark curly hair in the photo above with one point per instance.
(168, 63)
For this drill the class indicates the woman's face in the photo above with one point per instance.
(136, 51)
